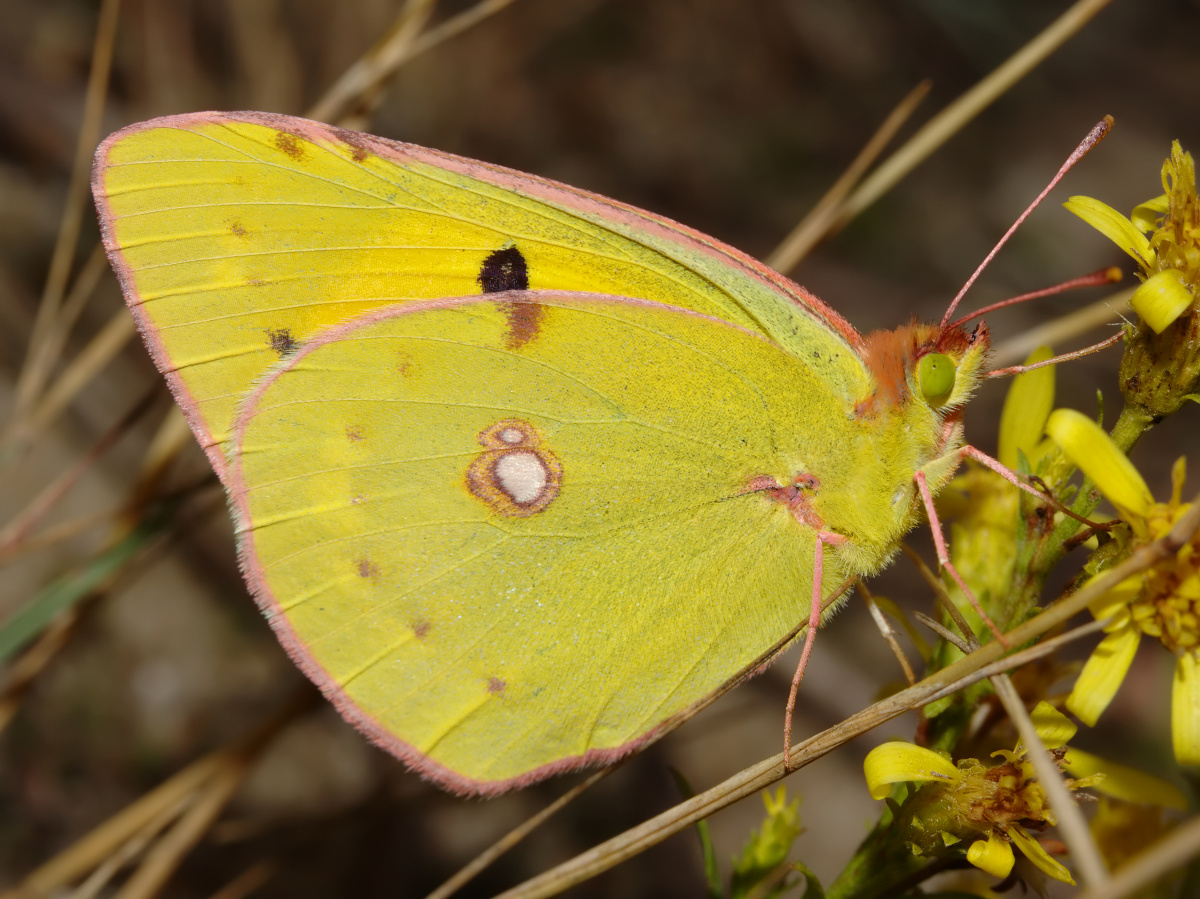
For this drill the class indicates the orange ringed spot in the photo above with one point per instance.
(496, 686)
(516, 475)
(421, 629)
(354, 433)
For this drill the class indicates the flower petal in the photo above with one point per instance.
(1112, 225)
(1051, 725)
(1145, 215)
(993, 855)
(897, 762)
(1026, 408)
(1122, 782)
(1102, 674)
(1119, 597)
(1161, 299)
(1033, 851)
(1185, 710)
(1100, 459)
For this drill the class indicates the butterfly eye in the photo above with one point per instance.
(935, 376)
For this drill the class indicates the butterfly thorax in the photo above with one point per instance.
(897, 429)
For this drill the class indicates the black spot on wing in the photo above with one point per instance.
(504, 269)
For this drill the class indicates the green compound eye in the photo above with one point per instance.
(935, 376)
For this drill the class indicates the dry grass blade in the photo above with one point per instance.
(73, 210)
(201, 790)
(985, 662)
(1174, 850)
(160, 863)
(362, 80)
(246, 882)
(514, 836)
(45, 352)
(1071, 824)
(104, 873)
(403, 42)
(888, 633)
(171, 438)
(946, 123)
(83, 368)
(13, 535)
(80, 372)
(106, 839)
(814, 226)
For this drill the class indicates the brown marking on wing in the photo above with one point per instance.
(524, 321)
(282, 341)
(356, 141)
(289, 144)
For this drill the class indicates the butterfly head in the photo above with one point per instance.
(938, 367)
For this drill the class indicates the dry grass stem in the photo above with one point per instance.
(1069, 819)
(946, 123)
(1174, 850)
(948, 680)
(77, 201)
(815, 225)
(404, 41)
(514, 836)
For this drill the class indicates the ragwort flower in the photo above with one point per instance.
(1162, 602)
(995, 806)
(1170, 256)
(1160, 369)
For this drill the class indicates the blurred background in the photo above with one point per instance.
(731, 117)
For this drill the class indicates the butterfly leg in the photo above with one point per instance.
(814, 620)
(939, 542)
(1013, 478)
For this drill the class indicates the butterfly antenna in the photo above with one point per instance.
(1065, 357)
(1110, 275)
(1094, 137)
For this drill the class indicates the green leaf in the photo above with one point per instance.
(712, 870)
(24, 625)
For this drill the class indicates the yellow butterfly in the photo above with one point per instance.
(521, 476)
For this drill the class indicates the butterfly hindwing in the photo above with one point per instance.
(473, 543)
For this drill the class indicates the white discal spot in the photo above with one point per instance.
(522, 475)
(512, 436)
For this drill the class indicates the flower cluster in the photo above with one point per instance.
(1170, 256)
(1162, 602)
(997, 805)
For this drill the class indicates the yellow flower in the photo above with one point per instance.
(1170, 256)
(994, 806)
(1162, 602)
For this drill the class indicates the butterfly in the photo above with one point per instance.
(521, 476)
